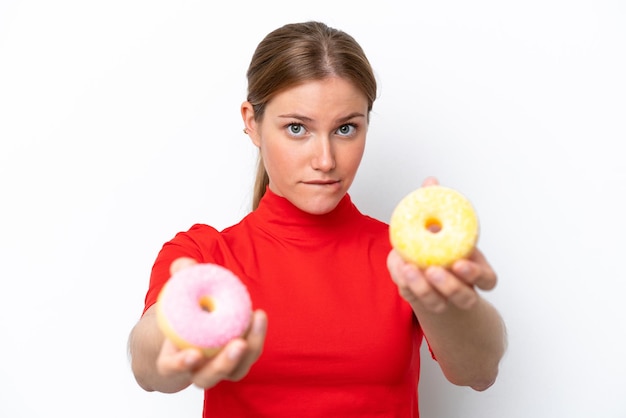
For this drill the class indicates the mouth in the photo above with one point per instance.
(321, 182)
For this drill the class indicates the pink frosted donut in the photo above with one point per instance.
(203, 306)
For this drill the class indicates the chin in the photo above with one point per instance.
(321, 207)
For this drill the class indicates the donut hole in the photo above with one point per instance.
(433, 225)
(207, 304)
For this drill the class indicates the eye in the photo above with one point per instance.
(295, 129)
(347, 130)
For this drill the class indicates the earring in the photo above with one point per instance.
(245, 131)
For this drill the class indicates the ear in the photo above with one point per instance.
(250, 124)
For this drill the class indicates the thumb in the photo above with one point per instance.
(181, 263)
(430, 181)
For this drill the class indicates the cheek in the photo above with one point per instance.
(277, 159)
(352, 157)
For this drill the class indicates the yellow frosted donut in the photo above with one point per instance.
(434, 225)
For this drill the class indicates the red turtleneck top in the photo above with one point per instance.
(340, 342)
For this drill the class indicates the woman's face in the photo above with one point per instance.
(312, 139)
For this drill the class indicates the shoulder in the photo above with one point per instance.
(194, 242)
(374, 225)
(372, 231)
(196, 233)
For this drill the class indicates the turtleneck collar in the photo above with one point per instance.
(279, 214)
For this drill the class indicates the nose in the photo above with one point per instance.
(323, 154)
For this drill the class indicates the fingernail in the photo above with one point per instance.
(436, 275)
(466, 270)
(258, 327)
(411, 275)
(190, 359)
(235, 351)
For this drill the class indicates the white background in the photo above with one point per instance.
(120, 125)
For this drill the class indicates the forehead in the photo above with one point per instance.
(314, 96)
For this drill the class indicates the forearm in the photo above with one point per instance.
(468, 344)
(145, 343)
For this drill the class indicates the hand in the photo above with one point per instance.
(232, 362)
(437, 288)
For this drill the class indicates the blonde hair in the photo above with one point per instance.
(299, 52)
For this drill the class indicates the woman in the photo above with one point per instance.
(346, 314)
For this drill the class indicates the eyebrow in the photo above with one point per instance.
(308, 119)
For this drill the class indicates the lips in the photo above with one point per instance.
(321, 182)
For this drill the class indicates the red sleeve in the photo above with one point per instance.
(200, 242)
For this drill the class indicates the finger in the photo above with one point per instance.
(412, 285)
(256, 341)
(172, 360)
(181, 263)
(419, 290)
(233, 362)
(394, 264)
(430, 181)
(476, 271)
(452, 288)
(488, 279)
(220, 366)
